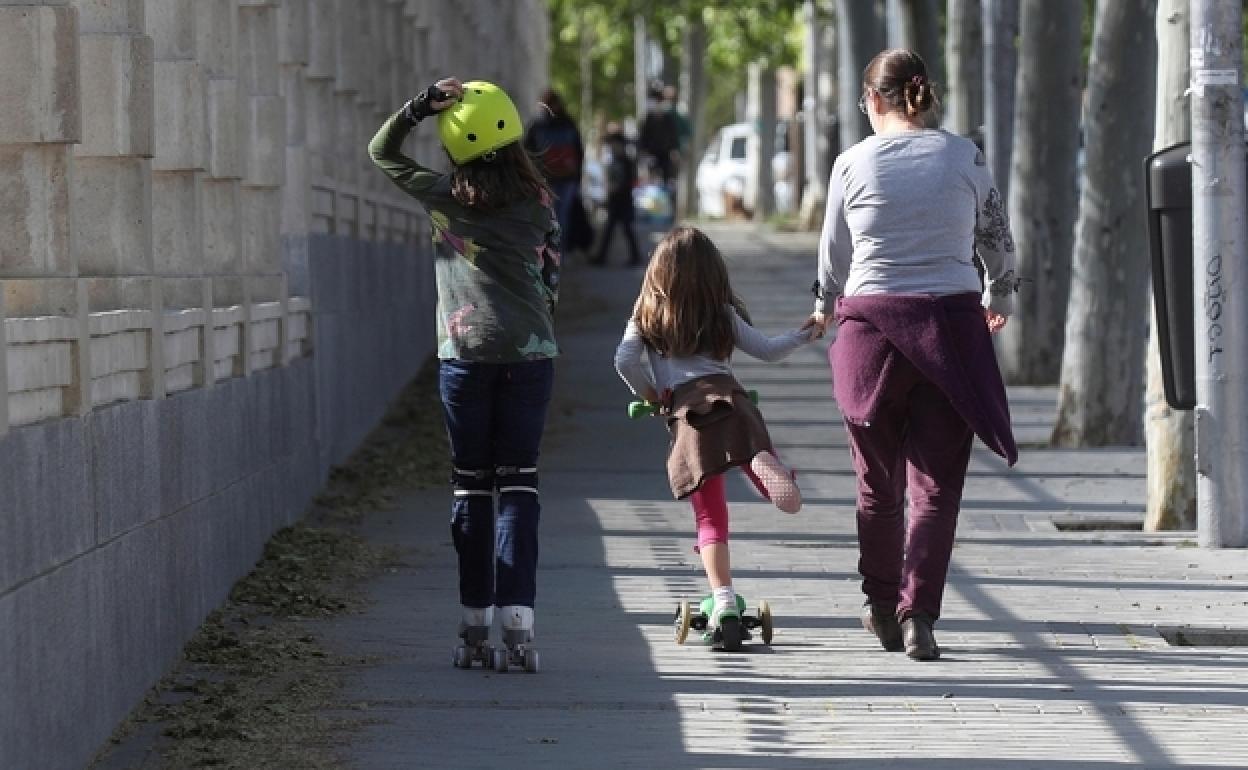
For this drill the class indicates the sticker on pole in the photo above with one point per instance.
(1202, 78)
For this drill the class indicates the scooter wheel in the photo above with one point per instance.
(730, 633)
(684, 616)
(765, 621)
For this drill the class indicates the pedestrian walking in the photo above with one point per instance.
(497, 270)
(620, 172)
(686, 323)
(556, 142)
(661, 137)
(913, 366)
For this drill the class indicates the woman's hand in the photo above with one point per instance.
(452, 88)
(996, 321)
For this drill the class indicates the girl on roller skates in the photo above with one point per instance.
(496, 261)
(687, 321)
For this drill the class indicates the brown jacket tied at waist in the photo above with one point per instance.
(714, 426)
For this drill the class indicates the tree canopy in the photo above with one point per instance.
(738, 32)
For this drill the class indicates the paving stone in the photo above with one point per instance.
(1051, 656)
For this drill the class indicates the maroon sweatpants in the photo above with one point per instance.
(916, 445)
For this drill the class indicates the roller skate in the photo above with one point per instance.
(474, 633)
(516, 651)
(727, 632)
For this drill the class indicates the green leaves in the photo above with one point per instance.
(594, 38)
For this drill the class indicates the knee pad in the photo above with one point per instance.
(510, 478)
(472, 483)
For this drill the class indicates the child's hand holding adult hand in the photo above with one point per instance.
(817, 323)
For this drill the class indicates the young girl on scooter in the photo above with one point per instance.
(687, 322)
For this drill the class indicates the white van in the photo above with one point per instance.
(726, 171)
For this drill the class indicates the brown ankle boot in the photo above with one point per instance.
(881, 620)
(919, 639)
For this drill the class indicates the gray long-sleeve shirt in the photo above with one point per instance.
(670, 371)
(905, 214)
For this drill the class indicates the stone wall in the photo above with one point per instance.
(209, 296)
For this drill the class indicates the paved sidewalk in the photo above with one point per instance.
(1052, 654)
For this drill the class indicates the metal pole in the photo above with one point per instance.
(639, 66)
(810, 101)
(1220, 272)
(4, 376)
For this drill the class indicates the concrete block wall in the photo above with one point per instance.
(208, 296)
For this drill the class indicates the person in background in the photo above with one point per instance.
(913, 367)
(556, 142)
(684, 129)
(660, 135)
(620, 172)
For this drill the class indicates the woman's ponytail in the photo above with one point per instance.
(917, 92)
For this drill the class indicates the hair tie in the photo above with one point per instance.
(918, 81)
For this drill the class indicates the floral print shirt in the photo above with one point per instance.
(497, 271)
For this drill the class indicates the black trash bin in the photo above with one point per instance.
(1168, 184)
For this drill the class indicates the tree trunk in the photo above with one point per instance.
(1167, 432)
(829, 88)
(1101, 396)
(860, 36)
(640, 45)
(761, 112)
(964, 109)
(1000, 25)
(693, 96)
(815, 123)
(585, 36)
(915, 24)
(1042, 187)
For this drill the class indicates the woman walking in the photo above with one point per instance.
(913, 364)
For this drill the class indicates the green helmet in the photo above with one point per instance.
(483, 120)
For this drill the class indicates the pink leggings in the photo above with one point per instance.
(710, 507)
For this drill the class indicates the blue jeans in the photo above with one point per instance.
(495, 414)
(565, 193)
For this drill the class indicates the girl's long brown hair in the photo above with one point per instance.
(682, 309)
(508, 177)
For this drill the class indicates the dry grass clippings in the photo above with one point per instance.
(256, 686)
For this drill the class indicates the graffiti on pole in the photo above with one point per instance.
(1214, 299)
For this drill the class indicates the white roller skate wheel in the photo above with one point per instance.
(531, 661)
(461, 657)
(500, 661)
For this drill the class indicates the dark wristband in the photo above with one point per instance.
(419, 108)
